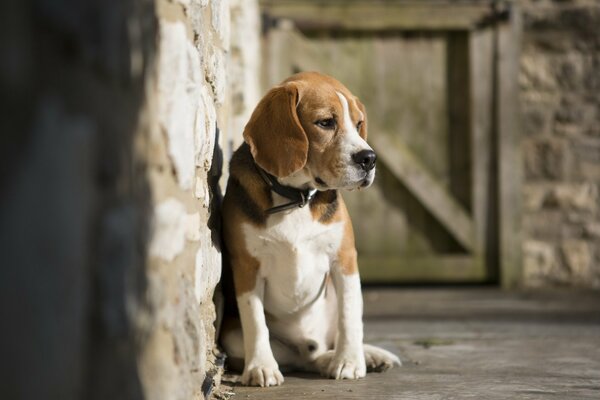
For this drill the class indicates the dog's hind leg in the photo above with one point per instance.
(378, 359)
(233, 344)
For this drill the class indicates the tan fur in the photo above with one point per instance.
(347, 253)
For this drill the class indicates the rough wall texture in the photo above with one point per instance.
(560, 99)
(109, 168)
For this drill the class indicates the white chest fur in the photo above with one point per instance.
(295, 253)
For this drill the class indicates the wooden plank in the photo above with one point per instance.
(421, 269)
(459, 116)
(483, 175)
(380, 15)
(289, 53)
(407, 168)
(509, 157)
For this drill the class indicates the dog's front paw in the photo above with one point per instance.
(343, 365)
(262, 375)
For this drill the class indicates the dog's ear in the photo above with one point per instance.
(277, 140)
(363, 128)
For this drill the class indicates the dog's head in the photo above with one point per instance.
(312, 131)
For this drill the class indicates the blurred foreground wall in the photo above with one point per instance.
(112, 115)
(560, 99)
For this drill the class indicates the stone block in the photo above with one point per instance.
(220, 21)
(215, 70)
(545, 159)
(171, 227)
(537, 117)
(579, 23)
(573, 196)
(537, 72)
(205, 128)
(570, 109)
(591, 229)
(546, 224)
(534, 196)
(570, 71)
(586, 156)
(577, 257)
(591, 78)
(179, 83)
(541, 264)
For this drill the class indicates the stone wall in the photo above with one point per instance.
(560, 99)
(114, 117)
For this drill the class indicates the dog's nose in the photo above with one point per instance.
(365, 158)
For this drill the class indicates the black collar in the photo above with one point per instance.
(299, 198)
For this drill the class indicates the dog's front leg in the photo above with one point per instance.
(260, 367)
(348, 360)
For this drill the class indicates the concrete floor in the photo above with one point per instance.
(467, 343)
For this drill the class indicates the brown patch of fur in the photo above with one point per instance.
(324, 206)
(276, 137)
(246, 198)
(347, 255)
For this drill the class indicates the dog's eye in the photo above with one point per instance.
(359, 125)
(328, 123)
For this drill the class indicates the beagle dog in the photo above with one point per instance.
(289, 237)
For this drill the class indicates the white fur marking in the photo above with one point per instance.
(352, 138)
(348, 362)
(260, 367)
(295, 252)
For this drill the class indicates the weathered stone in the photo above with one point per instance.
(171, 227)
(220, 21)
(561, 197)
(578, 258)
(537, 118)
(537, 72)
(591, 77)
(179, 82)
(570, 71)
(205, 129)
(586, 153)
(560, 75)
(215, 70)
(580, 23)
(545, 224)
(570, 110)
(592, 229)
(206, 276)
(534, 196)
(581, 197)
(243, 70)
(545, 159)
(541, 264)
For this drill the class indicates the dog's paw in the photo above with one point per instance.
(342, 365)
(378, 359)
(261, 375)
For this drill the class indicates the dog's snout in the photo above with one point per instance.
(365, 158)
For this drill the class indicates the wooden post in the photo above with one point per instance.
(508, 36)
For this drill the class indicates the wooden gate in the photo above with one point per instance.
(439, 83)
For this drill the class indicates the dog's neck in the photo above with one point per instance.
(299, 196)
